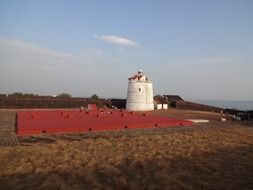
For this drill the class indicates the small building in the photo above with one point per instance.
(160, 102)
(159, 106)
(165, 106)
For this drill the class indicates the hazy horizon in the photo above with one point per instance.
(231, 104)
(199, 50)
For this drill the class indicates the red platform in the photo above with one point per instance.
(58, 121)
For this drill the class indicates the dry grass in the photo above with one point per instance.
(214, 156)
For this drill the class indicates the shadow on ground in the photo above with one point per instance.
(229, 168)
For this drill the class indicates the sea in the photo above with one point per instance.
(231, 104)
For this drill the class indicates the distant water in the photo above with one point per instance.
(240, 105)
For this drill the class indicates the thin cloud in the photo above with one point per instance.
(117, 40)
(29, 68)
(25, 67)
(13, 51)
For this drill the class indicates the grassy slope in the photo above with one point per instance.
(215, 158)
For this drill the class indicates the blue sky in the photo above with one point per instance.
(199, 49)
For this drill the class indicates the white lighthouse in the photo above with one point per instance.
(139, 93)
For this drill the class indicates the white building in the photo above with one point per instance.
(139, 93)
(165, 106)
(159, 106)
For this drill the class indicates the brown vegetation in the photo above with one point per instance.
(210, 156)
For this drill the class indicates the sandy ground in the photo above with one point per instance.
(216, 155)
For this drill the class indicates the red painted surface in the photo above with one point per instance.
(57, 121)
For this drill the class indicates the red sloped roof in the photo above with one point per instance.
(136, 77)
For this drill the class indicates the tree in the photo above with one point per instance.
(29, 95)
(94, 97)
(64, 95)
(17, 94)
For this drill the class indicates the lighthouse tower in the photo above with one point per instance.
(139, 93)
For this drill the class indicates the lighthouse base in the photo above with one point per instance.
(139, 106)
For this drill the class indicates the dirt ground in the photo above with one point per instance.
(190, 114)
(215, 155)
